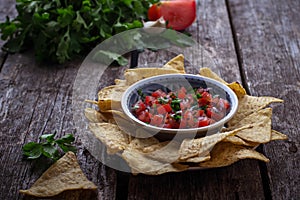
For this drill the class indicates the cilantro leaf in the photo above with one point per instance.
(61, 30)
(48, 147)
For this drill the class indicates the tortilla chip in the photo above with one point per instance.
(167, 153)
(198, 159)
(111, 135)
(140, 144)
(202, 146)
(65, 174)
(261, 130)
(141, 163)
(210, 74)
(176, 63)
(120, 82)
(239, 141)
(275, 135)
(94, 116)
(109, 98)
(111, 114)
(137, 74)
(237, 89)
(225, 153)
(250, 104)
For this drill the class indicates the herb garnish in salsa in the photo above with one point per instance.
(181, 108)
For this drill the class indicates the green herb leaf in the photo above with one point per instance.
(32, 150)
(60, 30)
(48, 148)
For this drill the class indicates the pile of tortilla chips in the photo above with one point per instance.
(250, 127)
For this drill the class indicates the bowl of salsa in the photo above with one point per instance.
(179, 105)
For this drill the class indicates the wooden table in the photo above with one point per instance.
(254, 42)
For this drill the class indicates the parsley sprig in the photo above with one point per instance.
(61, 29)
(49, 147)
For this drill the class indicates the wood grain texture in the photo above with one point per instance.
(36, 99)
(239, 181)
(268, 34)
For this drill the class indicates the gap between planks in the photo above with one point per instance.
(262, 166)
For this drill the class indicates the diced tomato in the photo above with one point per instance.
(174, 123)
(167, 107)
(214, 115)
(139, 106)
(181, 94)
(145, 116)
(167, 126)
(161, 110)
(224, 103)
(200, 113)
(184, 105)
(205, 99)
(203, 122)
(158, 93)
(157, 120)
(183, 124)
(149, 100)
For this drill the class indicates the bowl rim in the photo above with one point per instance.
(216, 125)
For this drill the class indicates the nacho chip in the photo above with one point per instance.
(239, 141)
(94, 116)
(120, 82)
(111, 114)
(225, 153)
(250, 104)
(140, 163)
(237, 89)
(137, 74)
(63, 175)
(167, 153)
(210, 74)
(140, 144)
(261, 130)
(109, 98)
(275, 135)
(201, 146)
(198, 159)
(176, 63)
(111, 135)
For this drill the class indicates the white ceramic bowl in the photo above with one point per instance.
(167, 83)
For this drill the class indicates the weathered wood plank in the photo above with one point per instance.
(268, 34)
(239, 181)
(37, 99)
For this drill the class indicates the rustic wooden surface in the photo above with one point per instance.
(254, 42)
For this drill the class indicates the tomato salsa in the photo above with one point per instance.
(180, 109)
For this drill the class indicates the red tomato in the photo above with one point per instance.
(214, 115)
(139, 106)
(224, 104)
(203, 122)
(158, 93)
(179, 14)
(154, 12)
(205, 99)
(157, 120)
(149, 100)
(145, 116)
(163, 109)
(181, 93)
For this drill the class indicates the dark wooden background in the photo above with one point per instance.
(254, 42)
